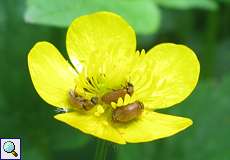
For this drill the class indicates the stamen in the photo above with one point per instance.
(120, 102)
(127, 99)
(100, 110)
(114, 105)
(90, 81)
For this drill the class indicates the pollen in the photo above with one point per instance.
(99, 110)
(121, 102)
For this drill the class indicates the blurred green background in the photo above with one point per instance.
(203, 25)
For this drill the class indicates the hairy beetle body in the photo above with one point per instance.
(128, 112)
(80, 103)
(114, 95)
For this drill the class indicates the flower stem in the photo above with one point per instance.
(101, 150)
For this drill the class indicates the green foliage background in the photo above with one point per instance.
(204, 25)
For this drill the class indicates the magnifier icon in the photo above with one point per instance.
(9, 147)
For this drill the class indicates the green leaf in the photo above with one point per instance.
(222, 62)
(143, 15)
(188, 4)
(64, 137)
(227, 1)
(34, 153)
(143, 151)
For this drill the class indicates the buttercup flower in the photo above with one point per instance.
(113, 91)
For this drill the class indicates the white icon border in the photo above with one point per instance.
(20, 148)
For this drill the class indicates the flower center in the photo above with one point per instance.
(92, 93)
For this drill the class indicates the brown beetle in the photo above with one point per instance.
(128, 112)
(115, 94)
(80, 103)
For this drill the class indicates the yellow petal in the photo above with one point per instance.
(90, 124)
(101, 33)
(171, 74)
(151, 126)
(51, 74)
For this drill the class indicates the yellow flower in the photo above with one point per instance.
(102, 49)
